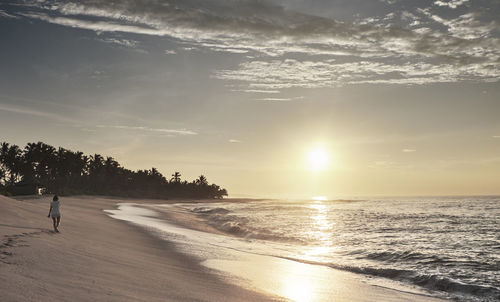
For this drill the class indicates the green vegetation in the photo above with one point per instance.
(65, 172)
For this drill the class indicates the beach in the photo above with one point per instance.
(98, 258)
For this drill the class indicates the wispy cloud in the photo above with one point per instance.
(465, 26)
(122, 42)
(290, 73)
(62, 111)
(274, 99)
(496, 136)
(4, 14)
(337, 53)
(256, 91)
(234, 141)
(34, 112)
(450, 3)
(409, 150)
(280, 99)
(148, 129)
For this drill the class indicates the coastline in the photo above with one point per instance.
(96, 257)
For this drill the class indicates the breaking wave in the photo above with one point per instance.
(445, 245)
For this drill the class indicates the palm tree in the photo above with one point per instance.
(96, 164)
(111, 166)
(12, 161)
(31, 161)
(156, 176)
(4, 148)
(2, 177)
(202, 181)
(39, 159)
(176, 177)
(68, 172)
(47, 163)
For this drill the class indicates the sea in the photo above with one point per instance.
(446, 247)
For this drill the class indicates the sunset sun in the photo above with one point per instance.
(318, 159)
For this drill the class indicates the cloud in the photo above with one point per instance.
(409, 150)
(365, 52)
(280, 99)
(4, 14)
(291, 73)
(450, 3)
(98, 26)
(224, 48)
(275, 99)
(190, 48)
(122, 42)
(34, 112)
(465, 26)
(390, 2)
(256, 91)
(234, 141)
(496, 136)
(170, 52)
(148, 129)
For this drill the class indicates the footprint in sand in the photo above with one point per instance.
(16, 240)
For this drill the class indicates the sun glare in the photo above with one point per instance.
(319, 198)
(318, 159)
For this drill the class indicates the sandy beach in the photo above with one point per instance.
(97, 258)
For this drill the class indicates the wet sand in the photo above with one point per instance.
(97, 258)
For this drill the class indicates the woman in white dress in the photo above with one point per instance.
(54, 212)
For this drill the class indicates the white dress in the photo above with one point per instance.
(55, 209)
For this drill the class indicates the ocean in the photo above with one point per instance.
(438, 246)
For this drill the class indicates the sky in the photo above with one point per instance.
(399, 97)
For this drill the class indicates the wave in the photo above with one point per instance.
(207, 210)
(220, 219)
(376, 242)
(392, 256)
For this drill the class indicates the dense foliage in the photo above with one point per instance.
(66, 172)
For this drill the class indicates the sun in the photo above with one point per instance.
(318, 159)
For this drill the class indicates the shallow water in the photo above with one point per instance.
(444, 246)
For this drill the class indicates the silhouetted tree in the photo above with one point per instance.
(66, 172)
(39, 159)
(4, 148)
(176, 177)
(202, 181)
(12, 160)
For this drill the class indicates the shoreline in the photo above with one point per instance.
(96, 257)
(255, 270)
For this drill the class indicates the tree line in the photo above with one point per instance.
(65, 172)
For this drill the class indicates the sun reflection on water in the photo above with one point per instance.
(320, 229)
(320, 198)
(295, 280)
(319, 218)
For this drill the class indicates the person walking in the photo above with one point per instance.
(55, 213)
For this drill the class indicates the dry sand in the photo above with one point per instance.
(97, 258)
